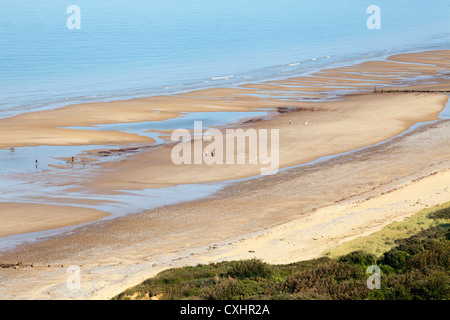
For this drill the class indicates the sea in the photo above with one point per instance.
(55, 52)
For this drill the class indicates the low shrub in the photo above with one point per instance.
(359, 258)
(253, 268)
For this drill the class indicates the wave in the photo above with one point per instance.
(223, 77)
(13, 104)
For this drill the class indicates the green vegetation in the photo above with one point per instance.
(414, 267)
(384, 240)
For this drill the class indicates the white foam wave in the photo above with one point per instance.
(223, 77)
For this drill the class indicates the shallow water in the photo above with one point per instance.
(123, 203)
(22, 160)
(185, 120)
(445, 114)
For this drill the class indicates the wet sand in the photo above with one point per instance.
(293, 215)
(18, 218)
(332, 128)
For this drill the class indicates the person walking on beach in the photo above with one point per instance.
(36, 164)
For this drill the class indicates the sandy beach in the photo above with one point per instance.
(281, 218)
(293, 215)
(17, 218)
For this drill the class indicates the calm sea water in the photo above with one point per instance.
(136, 48)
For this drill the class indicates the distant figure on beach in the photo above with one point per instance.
(72, 159)
(36, 164)
(12, 149)
(290, 122)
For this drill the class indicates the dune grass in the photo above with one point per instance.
(416, 265)
(384, 240)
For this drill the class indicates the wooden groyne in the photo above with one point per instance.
(426, 91)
